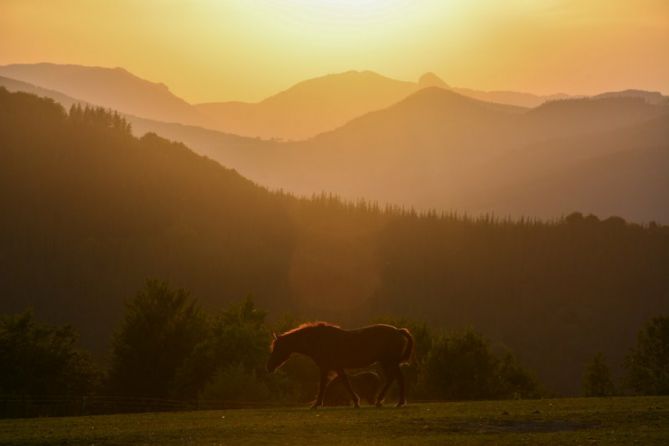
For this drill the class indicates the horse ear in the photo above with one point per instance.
(274, 336)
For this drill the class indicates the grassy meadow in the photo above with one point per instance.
(610, 421)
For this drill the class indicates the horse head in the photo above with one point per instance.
(280, 352)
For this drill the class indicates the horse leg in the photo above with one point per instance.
(390, 377)
(325, 380)
(400, 382)
(371, 395)
(347, 384)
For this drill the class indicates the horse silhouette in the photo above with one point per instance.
(334, 350)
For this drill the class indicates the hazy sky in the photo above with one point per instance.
(207, 50)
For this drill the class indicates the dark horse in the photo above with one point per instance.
(335, 350)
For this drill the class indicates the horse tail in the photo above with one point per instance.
(408, 350)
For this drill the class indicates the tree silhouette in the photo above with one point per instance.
(597, 378)
(648, 362)
(160, 329)
(41, 360)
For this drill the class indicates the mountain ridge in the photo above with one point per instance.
(114, 88)
(299, 112)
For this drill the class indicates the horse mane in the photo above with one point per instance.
(304, 327)
(308, 325)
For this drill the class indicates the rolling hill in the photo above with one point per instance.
(14, 85)
(113, 88)
(622, 171)
(310, 107)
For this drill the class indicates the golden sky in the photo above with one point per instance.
(209, 50)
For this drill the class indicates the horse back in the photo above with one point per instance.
(361, 347)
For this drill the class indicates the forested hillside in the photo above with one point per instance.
(439, 149)
(89, 212)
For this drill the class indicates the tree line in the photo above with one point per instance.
(168, 347)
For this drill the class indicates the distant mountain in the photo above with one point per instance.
(300, 112)
(310, 107)
(652, 97)
(622, 171)
(428, 80)
(233, 145)
(325, 103)
(14, 85)
(511, 97)
(113, 88)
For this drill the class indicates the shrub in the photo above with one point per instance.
(234, 383)
(461, 366)
(41, 360)
(647, 364)
(597, 378)
(160, 330)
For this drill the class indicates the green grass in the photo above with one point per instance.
(610, 421)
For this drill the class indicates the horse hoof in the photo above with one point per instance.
(401, 404)
(379, 404)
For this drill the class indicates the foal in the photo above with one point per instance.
(366, 384)
(334, 350)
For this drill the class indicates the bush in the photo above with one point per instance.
(514, 380)
(597, 378)
(236, 337)
(160, 330)
(647, 364)
(462, 367)
(234, 383)
(42, 360)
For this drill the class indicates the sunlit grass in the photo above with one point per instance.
(609, 421)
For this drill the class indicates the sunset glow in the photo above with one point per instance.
(209, 50)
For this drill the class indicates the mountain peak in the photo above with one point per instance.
(431, 80)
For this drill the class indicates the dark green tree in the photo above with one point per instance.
(41, 360)
(462, 366)
(515, 380)
(647, 365)
(237, 342)
(161, 328)
(597, 378)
